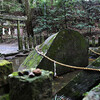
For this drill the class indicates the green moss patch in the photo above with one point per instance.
(24, 78)
(5, 97)
(33, 60)
(4, 62)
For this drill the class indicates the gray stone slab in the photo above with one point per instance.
(82, 82)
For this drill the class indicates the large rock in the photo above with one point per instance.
(67, 46)
(24, 87)
(82, 82)
(5, 70)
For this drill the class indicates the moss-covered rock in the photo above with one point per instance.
(33, 60)
(5, 97)
(5, 70)
(82, 82)
(26, 88)
(67, 46)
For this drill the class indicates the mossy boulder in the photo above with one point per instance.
(82, 82)
(67, 46)
(5, 70)
(31, 88)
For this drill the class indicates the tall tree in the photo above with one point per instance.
(29, 18)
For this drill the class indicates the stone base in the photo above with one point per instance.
(36, 88)
(5, 70)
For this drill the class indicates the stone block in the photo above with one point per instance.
(26, 87)
(82, 82)
(67, 46)
(5, 70)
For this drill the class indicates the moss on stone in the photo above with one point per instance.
(33, 60)
(4, 62)
(67, 46)
(36, 88)
(5, 70)
(5, 97)
(24, 78)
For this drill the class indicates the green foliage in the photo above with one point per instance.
(10, 7)
(69, 11)
(59, 14)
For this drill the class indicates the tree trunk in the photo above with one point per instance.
(29, 19)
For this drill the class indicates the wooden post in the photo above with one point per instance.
(12, 32)
(37, 39)
(30, 42)
(25, 43)
(87, 39)
(21, 43)
(93, 41)
(99, 41)
(35, 43)
(1, 32)
(42, 38)
(18, 34)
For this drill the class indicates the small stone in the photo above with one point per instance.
(20, 73)
(31, 75)
(37, 72)
(26, 72)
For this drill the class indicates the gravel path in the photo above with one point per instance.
(8, 48)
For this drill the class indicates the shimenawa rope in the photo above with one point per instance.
(94, 52)
(69, 66)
